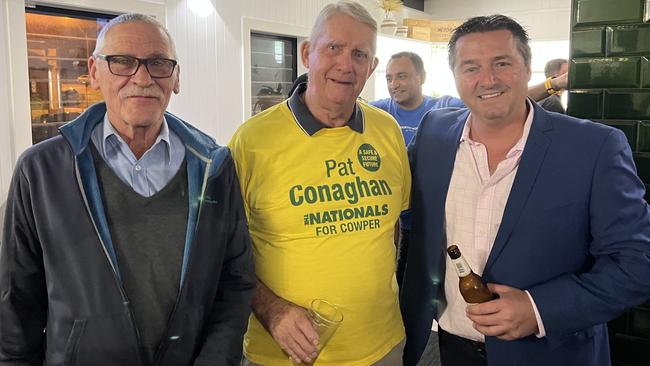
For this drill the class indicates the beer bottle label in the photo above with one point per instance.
(462, 268)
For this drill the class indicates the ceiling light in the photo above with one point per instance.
(202, 8)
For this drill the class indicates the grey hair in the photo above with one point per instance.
(553, 67)
(350, 8)
(132, 18)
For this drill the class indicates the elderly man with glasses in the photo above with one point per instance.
(125, 239)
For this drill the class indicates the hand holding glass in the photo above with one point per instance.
(325, 318)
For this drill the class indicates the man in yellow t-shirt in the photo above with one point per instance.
(324, 178)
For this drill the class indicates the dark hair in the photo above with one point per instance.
(553, 67)
(488, 24)
(416, 60)
(296, 83)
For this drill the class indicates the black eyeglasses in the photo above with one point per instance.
(122, 65)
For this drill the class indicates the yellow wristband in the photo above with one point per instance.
(549, 87)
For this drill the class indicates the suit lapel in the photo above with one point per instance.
(529, 167)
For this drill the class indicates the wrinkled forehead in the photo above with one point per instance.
(342, 28)
(136, 37)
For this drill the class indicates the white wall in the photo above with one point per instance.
(213, 65)
(214, 84)
(210, 51)
(545, 20)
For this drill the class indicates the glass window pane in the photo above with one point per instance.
(273, 69)
(59, 43)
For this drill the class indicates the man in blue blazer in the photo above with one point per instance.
(546, 207)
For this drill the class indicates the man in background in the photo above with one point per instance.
(324, 177)
(552, 70)
(405, 76)
(125, 240)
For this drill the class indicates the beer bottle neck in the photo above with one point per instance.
(462, 267)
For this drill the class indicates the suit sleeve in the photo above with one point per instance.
(23, 295)
(403, 248)
(619, 246)
(406, 175)
(232, 307)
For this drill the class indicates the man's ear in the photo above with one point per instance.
(92, 72)
(375, 62)
(423, 77)
(304, 53)
(177, 82)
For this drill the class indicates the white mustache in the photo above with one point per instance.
(142, 92)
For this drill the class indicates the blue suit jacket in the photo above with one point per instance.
(575, 233)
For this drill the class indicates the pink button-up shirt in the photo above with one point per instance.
(473, 211)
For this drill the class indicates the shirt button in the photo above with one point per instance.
(138, 167)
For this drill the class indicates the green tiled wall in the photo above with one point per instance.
(608, 11)
(629, 39)
(603, 72)
(589, 42)
(644, 137)
(586, 103)
(609, 82)
(627, 104)
(609, 72)
(645, 71)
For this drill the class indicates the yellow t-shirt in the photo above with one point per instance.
(322, 211)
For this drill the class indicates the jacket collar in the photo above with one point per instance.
(205, 160)
(79, 131)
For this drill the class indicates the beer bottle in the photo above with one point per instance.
(471, 285)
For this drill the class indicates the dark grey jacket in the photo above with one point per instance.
(61, 298)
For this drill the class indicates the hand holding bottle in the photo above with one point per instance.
(509, 317)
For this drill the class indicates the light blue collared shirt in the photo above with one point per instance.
(156, 167)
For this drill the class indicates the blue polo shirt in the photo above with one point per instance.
(410, 120)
